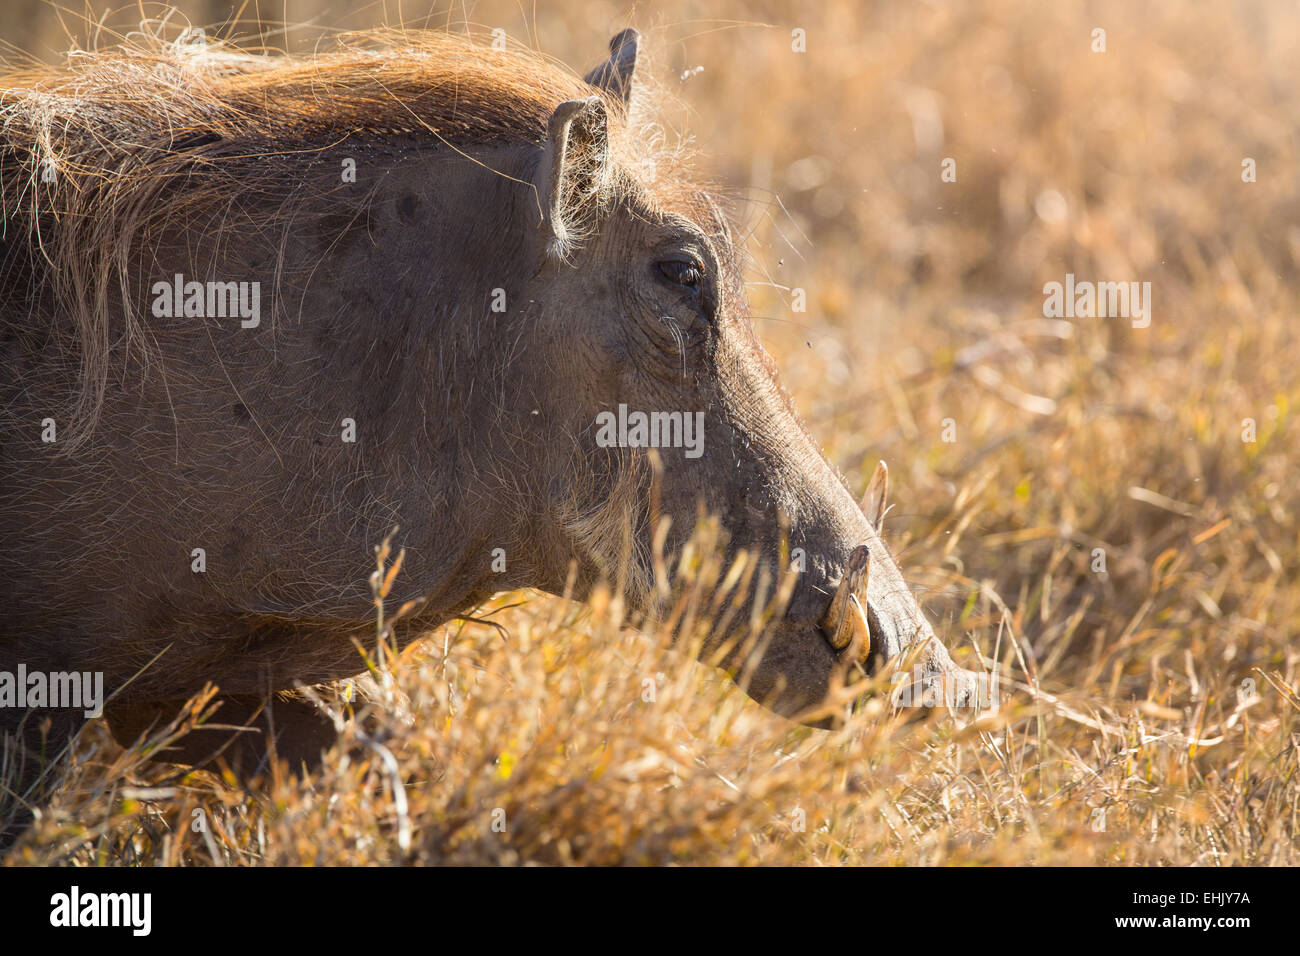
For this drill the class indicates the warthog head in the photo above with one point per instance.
(647, 342)
(443, 287)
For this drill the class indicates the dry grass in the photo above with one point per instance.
(1124, 701)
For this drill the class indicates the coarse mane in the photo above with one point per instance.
(107, 150)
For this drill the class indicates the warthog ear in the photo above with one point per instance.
(573, 172)
(615, 74)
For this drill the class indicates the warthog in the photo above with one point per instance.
(257, 311)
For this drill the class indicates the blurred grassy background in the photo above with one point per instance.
(924, 304)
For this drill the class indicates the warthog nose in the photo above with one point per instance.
(844, 624)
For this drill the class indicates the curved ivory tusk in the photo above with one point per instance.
(873, 500)
(846, 618)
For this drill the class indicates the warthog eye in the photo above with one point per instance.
(683, 272)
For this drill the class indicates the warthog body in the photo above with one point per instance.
(509, 262)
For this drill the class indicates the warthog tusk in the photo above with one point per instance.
(873, 499)
(847, 615)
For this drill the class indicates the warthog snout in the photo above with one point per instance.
(870, 624)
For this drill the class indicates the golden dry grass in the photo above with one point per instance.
(1128, 733)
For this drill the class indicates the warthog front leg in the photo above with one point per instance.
(243, 733)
